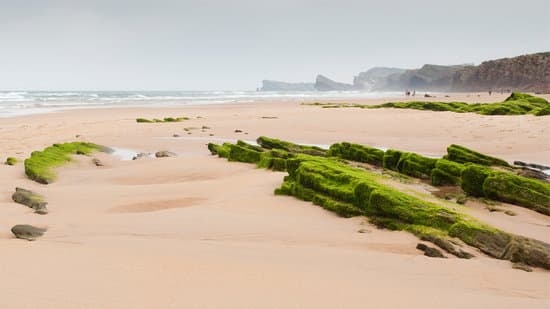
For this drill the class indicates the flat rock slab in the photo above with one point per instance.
(28, 232)
(30, 199)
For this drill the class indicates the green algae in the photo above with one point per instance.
(39, 166)
(462, 154)
(356, 152)
(349, 191)
(11, 161)
(272, 143)
(516, 104)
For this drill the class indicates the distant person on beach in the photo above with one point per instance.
(414, 93)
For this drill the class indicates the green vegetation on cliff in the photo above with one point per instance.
(331, 183)
(39, 166)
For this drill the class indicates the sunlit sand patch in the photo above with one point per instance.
(156, 205)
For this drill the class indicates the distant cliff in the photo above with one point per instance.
(272, 85)
(375, 78)
(529, 73)
(524, 73)
(323, 83)
(429, 77)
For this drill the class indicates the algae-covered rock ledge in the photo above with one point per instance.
(331, 180)
(516, 104)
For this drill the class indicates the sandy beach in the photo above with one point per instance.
(196, 231)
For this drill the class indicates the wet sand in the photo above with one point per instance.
(195, 231)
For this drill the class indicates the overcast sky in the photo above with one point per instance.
(222, 45)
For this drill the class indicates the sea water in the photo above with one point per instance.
(15, 103)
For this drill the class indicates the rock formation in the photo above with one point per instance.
(375, 78)
(323, 83)
(524, 73)
(272, 85)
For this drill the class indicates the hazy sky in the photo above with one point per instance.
(206, 44)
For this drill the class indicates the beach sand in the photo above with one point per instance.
(195, 231)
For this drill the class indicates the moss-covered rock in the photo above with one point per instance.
(11, 161)
(356, 152)
(446, 173)
(515, 104)
(462, 154)
(350, 191)
(507, 187)
(39, 167)
(272, 143)
(415, 165)
(473, 176)
(391, 158)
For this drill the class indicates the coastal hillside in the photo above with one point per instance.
(524, 73)
(528, 73)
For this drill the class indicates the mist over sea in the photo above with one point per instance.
(16, 103)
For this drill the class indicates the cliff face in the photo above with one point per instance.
(430, 77)
(524, 73)
(374, 78)
(323, 83)
(529, 73)
(272, 85)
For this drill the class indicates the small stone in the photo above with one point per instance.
(140, 155)
(363, 231)
(28, 232)
(238, 131)
(176, 135)
(97, 162)
(164, 154)
(29, 198)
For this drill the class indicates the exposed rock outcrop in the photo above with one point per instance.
(323, 83)
(28, 232)
(523, 73)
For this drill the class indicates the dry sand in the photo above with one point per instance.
(195, 231)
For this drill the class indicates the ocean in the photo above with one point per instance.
(16, 103)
